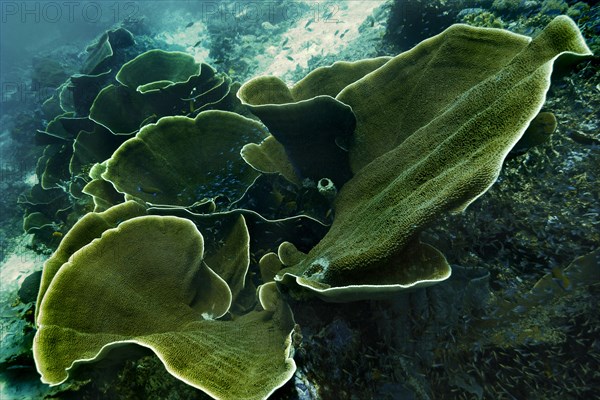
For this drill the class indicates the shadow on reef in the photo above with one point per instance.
(189, 221)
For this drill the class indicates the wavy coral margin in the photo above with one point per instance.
(110, 346)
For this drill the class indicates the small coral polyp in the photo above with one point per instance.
(413, 137)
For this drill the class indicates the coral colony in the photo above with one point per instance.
(207, 204)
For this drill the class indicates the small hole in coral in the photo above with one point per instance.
(325, 182)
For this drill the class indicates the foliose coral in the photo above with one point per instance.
(380, 211)
(179, 229)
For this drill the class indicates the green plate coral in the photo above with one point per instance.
(180, 160)
(190, 267)
(433, 126)
(159, 293)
